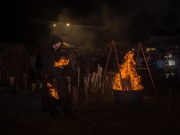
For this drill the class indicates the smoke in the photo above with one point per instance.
(129, 22)
(97, 29)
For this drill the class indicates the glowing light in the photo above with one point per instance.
(61, 62)
(52, 91)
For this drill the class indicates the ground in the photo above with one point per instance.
(156, 115)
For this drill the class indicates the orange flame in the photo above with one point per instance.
(49, 85)
(130, 79)
(52, 91)
(61, 62)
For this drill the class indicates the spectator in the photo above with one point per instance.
(140, 61)
(151, 64)
(160, 67)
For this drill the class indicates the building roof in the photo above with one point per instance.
(66, 45)
(162, 40)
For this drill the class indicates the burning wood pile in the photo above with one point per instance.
(130, 79)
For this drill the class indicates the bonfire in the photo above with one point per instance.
(130, 79)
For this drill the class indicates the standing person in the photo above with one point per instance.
(160, 67)
(140, 61)
(151, 63)
(57, 77)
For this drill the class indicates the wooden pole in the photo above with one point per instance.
(123, 89)
(78, 77)
(75, 97)
(93, 81)
(105, 72)
(86, 91)
(100, 76)
(117, 62)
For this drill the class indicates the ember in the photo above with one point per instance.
(62, 62)
(130, 79)
(52, 91)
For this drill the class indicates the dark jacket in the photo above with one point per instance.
(51, 56)
(49, 70)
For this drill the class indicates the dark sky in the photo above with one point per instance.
(91, 22)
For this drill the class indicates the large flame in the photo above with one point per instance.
(52, 91)
(61, 62)
(130, 79)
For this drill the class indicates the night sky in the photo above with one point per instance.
(92, 23)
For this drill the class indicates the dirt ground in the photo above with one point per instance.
(20, 114)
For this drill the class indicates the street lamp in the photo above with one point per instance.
(68, 31)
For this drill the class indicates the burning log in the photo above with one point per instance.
(126, 83)
(129, 83)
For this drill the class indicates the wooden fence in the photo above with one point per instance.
(15, 67)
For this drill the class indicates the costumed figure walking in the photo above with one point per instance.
(55, 88)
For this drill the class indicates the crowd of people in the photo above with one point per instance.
(158, 61)
(162, 62)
